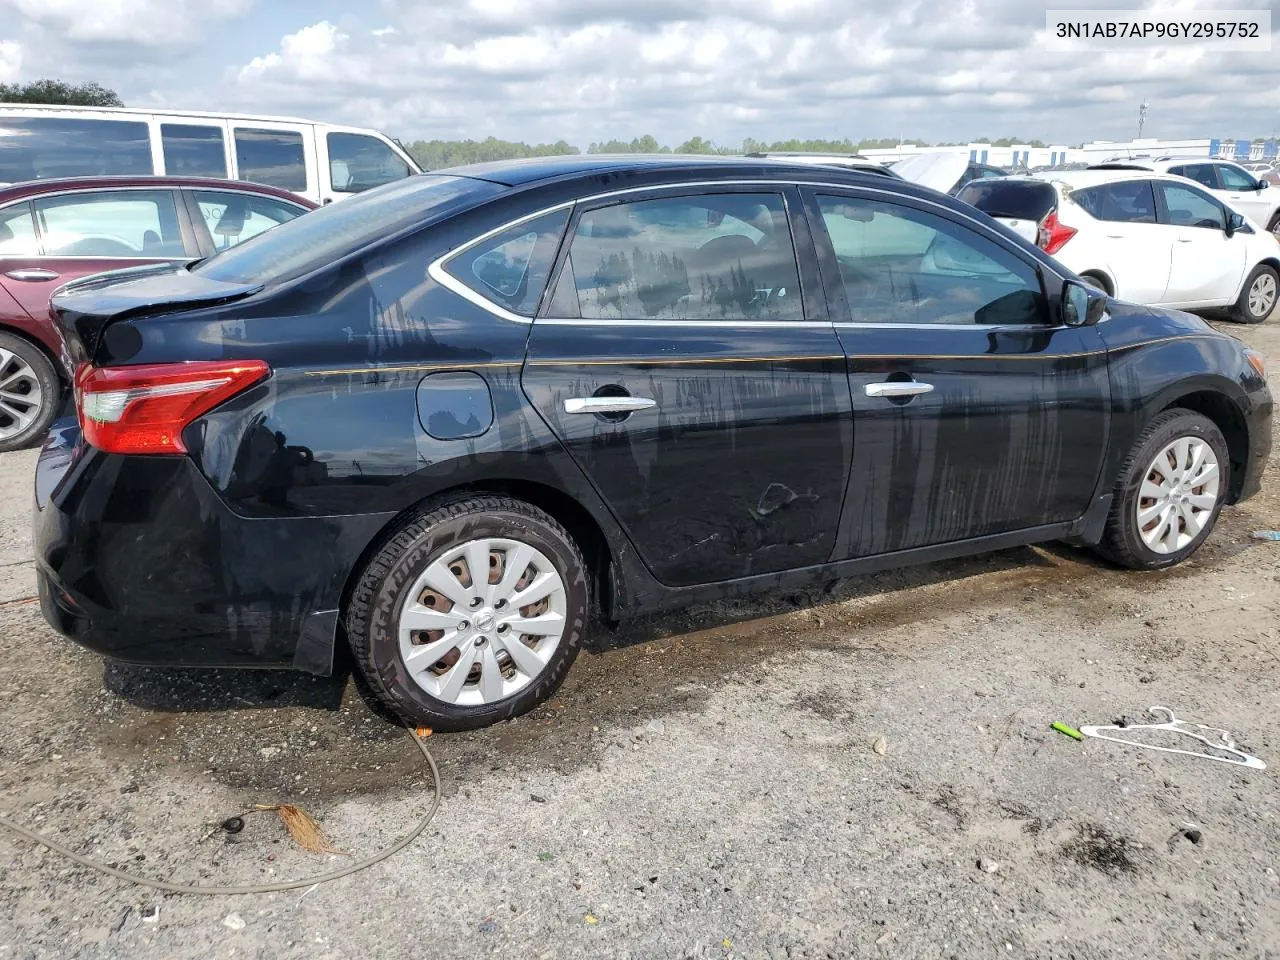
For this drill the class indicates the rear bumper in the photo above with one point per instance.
(139, 560)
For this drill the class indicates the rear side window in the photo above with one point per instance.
(192, 150)
(358, 162)
(1011, 199)
(709, 257)
(37, 148)
(512, 268)
(1130, 202)
(233, 218)
(115, 224)
(273, 157)
(1201, 173)
(325, 235)
(18, 231)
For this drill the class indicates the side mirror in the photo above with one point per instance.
(1263, 184)
(1234, 222)
(1082, 306)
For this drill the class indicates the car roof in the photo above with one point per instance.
(1079, 179)
(534, 170)
(36, 188)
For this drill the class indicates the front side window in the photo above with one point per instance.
(193, 150)
(710, 257)
(902, 265)
(1233, 178)
(273, 157)
(1189, 207)
(110, 224)
(235, 217)
(511, 268)
(37, 148)
(358, 162)
(1130, 202)
(18, 231)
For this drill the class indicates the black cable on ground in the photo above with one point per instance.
(168, 887)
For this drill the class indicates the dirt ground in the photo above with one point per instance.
(704, 786)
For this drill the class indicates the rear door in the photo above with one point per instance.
(193, 147)
(1020, 203)
(1207, 265)
(685, 360)
(224, 218)
(89, 231)
(974, 414)
(1135, 247)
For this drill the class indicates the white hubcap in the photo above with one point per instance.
(1178, 495)
(20, 395)
(1262, 295)
(471, 639)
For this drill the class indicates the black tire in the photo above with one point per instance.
(1242, 312)
(50, 387)
(1121, 541)
(373, 612)
(1274, 226)
(1095, 281)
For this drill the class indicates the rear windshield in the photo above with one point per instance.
(322, 236)
(1012, 199)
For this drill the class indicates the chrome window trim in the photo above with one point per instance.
(437, 272)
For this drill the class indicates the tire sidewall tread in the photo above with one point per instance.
(1240, 312)
(50, 386)
(1121, 542)
(382, 590)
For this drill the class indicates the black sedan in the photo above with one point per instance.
(454, 421)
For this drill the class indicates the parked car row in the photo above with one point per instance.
(457, 419)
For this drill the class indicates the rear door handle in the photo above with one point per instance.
(32, 274)
(1184, 239)
(608, 404)
(897, 388)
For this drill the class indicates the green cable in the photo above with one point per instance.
(168, 887)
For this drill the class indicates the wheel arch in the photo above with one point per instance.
(598, 553)
(26, 337)
(1102, 275)
(1227, 417)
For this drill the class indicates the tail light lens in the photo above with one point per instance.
(145, 408)
(1053, 234)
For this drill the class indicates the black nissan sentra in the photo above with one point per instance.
(455, 420)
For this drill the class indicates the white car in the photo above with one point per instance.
(944, 170)
(849, 161)
(1144, 237)
(1243, 190)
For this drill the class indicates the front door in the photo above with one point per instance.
(973, 414)
(1207, 264)
(685, 360)
(1240, 191)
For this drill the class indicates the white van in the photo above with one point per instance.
(319, 161)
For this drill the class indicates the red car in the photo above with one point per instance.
(52, 231)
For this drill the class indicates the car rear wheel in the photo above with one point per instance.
(470, 614)
(1258, 298)
(1170, 492)
(30, 393)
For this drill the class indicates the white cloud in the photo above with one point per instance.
(10, 60)
(145, 22)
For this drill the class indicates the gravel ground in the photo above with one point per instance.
(704, 786)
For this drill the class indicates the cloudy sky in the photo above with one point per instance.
(594, 69)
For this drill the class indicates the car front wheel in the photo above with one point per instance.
(1170, 492)
(470, 614)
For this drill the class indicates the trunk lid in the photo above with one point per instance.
(84, 308)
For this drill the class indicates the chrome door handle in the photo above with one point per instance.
(34, 274)
(897, 388)
(608, 404)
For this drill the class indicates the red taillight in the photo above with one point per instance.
(145, 408)
(1053, 235)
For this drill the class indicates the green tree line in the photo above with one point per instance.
(435, 154)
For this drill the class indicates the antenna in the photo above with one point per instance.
(1142, 116)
